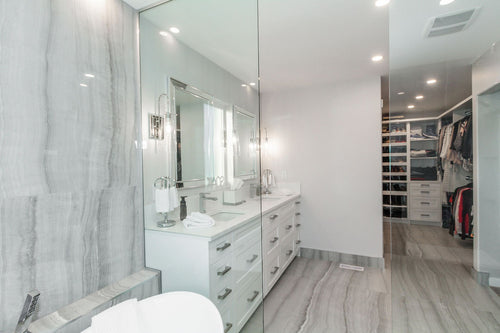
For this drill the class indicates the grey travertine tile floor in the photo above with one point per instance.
(431, 291)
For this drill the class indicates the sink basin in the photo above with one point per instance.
(225, 216)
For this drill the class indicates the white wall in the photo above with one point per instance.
(485, 74)
(329, 139)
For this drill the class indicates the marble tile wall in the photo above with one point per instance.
(70, 173)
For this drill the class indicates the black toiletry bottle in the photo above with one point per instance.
(183, 208)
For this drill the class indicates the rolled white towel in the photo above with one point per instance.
(162, 201)
(173, 198)
(198, 220)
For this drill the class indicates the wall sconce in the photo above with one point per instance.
(158, 122)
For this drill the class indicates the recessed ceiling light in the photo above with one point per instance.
(243, 85)
(174, 30)
(401, 93)
(164, 33)
(377, 58)
(90, 75)
(431, 81)
(252, 84)
(83, 85)
(445, 2)
(381, 3)
(411, 106)
(419, 96)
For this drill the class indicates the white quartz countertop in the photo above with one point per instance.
(248, 210)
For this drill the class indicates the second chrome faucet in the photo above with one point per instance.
(203, 197)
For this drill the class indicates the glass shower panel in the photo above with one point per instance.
(443, 179)
(201, 162)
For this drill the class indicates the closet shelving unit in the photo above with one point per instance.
(423, 196)
(395, 171)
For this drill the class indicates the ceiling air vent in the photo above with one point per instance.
(450, 23)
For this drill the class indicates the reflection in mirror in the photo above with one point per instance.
(199, 140)
(245, 143)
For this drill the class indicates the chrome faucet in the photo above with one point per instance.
(203, 197)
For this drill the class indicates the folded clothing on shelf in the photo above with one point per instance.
(423, 173)
(423, 153)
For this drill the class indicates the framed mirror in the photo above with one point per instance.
(199, 122)
(245, 144)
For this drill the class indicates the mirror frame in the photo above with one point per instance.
(237, 109)
(176, 84)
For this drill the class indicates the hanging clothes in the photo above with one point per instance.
(462, 204)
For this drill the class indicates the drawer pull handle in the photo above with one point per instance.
(253, 259)
(227, 291)
(228, 327)
(425, 203)
(298, 242)
(297, 202)
(425, 185)
(224, 272)
(425, 215)
(288, 227)
(223, 247)
(275, 270)
(273, 217)
(274, 240)
(298, 225)
(297, 214)
(289, 252)
(255, 294)
(425, 192)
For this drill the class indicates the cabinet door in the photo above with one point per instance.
(247, 301)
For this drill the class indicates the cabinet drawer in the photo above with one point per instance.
(248, 264)
(296, 242)
(222, 273)
(287, 250)
(270, 242)
(286, 227)
(223, 296)
(247, 301)
(425, 186)
(426, 215)
(274, 217)
(246, 239)
(271, 272)
(228, 320)
(221, 246)
(425, 193)
(425, 203)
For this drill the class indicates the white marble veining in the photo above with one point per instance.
(71, 188)
(249, 210)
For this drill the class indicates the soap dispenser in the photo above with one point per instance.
(183, 213)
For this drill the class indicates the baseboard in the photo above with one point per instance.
(483, 278)
(345, 258)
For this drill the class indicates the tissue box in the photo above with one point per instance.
(233, 197)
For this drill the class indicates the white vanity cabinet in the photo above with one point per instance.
(226, 269)
(280, 241)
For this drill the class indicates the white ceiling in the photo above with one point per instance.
(315, 42)
(224, 31)
(307, 43)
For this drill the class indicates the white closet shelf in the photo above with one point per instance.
(395, 206)
(393, 154)
(394, 144)
(395, 163)
(394, 193)
(394, 134)
(423, 158)
(394, 181)
(415, 140)
(394, 173)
